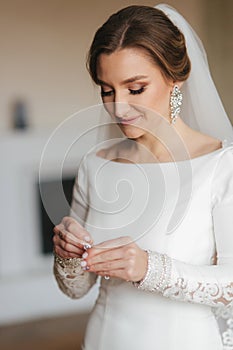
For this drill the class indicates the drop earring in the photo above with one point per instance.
(175, 103)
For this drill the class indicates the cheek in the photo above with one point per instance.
(159, 100)
(109, 107)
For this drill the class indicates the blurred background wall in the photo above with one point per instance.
(44, 45)
(42, 62)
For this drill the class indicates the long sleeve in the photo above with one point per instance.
(211, 285)
(71, 279)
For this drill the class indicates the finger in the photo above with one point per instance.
(67, 220)
(56, 229)
(70, 248)
(74, 227)
(68, 237)
(66, 246)
(108, 266)
(97, 255)
(114, 243)
(64, 254)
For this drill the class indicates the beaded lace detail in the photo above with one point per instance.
(225, 318)
(163, 277)
(71, 278)
(158, 273)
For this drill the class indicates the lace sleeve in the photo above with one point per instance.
(211, 285)
(70, 277)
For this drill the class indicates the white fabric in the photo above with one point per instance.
(138, 200)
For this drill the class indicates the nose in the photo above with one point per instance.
(121, 109)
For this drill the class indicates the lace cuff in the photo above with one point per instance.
(158, 273)
(72, 263)
(189, 283)
(71, 279)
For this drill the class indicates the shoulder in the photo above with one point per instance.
(223, 165)
(225, 159)
(222, 181)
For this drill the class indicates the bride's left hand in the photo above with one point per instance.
(120, 257)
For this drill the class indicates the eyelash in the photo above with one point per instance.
(137, 92)
(132, 92)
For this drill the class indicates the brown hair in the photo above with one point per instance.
(147, 28)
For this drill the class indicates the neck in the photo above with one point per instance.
(166, 139)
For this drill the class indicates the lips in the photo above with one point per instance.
(130, 120)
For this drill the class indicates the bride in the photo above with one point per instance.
(160, 288)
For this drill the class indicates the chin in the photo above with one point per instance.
(131, 132)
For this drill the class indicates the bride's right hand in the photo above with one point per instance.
(70, 238)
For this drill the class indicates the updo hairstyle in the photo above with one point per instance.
(146, 28)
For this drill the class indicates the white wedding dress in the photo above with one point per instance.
(182, 209)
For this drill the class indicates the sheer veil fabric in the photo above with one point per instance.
(202, 108)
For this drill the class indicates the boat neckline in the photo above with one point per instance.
(223, 142)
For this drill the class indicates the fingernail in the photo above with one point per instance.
(83, 263)
(85, 255)
(87, 238)
(86, 246)
(85, 268)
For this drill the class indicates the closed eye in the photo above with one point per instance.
(106, 93)
(132, 92)
(137, 92)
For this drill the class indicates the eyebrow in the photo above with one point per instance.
(126, 81)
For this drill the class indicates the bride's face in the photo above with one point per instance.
(131, 86)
